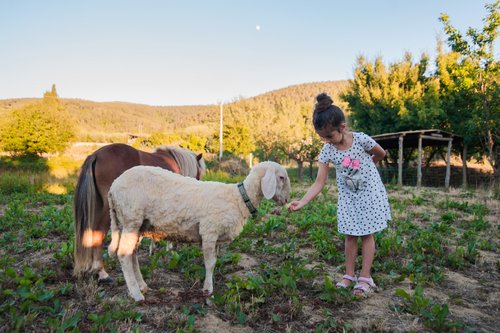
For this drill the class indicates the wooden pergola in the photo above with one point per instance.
(419, 139)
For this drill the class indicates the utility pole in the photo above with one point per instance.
(220, 133)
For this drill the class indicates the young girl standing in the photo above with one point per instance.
(363, 207)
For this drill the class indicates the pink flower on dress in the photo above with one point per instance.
(347, 162)
(355, 164)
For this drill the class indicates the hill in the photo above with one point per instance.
(106, 119)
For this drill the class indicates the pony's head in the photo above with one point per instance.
(202, 167)
(190, 163)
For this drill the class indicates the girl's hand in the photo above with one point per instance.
(295, 205)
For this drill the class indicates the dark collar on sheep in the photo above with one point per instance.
(245, 197)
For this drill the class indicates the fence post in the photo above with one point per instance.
(419, 169)
(448, 164)
(400, 162)
(464, 167)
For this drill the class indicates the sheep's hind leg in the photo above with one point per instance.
(126, 253)
(137, 272)
(210, 259)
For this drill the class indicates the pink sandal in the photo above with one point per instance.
(364, 287)
(341, 284)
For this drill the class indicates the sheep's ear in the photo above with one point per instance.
(268, 184)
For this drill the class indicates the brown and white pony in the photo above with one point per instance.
(91, 208)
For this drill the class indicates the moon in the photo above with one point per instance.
(257, 27)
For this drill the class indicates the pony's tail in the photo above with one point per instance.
(115, 230)
(85, 206)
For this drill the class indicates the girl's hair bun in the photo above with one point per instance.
(323, 102)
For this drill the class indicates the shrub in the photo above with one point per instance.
(27, 162)
(11, 183)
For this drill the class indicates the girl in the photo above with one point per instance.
(363, 207)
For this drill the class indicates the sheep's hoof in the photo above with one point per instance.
(150, 301)
(139, 298)
(107, 281)
(209, 302)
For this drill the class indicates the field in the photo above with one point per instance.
(437, 269)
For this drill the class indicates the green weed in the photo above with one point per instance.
(434, 315)
(337, 296)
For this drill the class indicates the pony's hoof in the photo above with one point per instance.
(106, 281)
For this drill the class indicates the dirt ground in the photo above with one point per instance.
(472, 292)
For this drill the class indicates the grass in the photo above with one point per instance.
(278, 275)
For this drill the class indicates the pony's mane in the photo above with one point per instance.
(186, 160)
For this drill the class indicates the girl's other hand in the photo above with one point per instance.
(295, 205)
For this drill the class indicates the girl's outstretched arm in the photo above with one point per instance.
(313, 191)
(377, 153)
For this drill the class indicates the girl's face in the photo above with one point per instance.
(332, 135)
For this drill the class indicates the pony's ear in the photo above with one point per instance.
(268, 184)
(199, 156)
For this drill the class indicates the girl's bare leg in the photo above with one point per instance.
(368, 252)
(351, 252)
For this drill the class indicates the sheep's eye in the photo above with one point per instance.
(282, 178)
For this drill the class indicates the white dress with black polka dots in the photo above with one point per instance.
(363, 207)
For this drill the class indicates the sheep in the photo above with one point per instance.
(154, 202)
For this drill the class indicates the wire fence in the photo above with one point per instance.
(432, 176)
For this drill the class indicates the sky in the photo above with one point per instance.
(207, 52)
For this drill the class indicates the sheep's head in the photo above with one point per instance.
(275, 183)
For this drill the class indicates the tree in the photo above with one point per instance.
(194, 143)
(312, 149)
(44, 127)
(469, 77)
(161, 138)
(295, 135)
(276, 119)
(393, 98)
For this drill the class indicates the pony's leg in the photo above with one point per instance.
(102, 229)
(126, 253)
(209, 256)
(137, 272)
(98, 266)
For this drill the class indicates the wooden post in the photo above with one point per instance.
(400, 162)
(464, 167)
(448, 164)
(419, 170)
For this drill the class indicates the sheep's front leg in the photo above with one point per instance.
(126, 254)
(209, 244)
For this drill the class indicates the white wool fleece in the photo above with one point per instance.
(154, 201)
